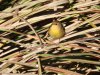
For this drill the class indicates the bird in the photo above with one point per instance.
(56, 30)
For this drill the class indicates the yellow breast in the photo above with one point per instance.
(56, 31)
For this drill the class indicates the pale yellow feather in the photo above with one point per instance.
(56, 31)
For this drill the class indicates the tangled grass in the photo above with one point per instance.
(26, 48)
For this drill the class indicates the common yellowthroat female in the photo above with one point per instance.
(56, 30)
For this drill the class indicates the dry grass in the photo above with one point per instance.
(25, 48)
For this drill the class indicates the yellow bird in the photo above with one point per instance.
(56, 30)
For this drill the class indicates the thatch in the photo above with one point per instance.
(26, 47)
